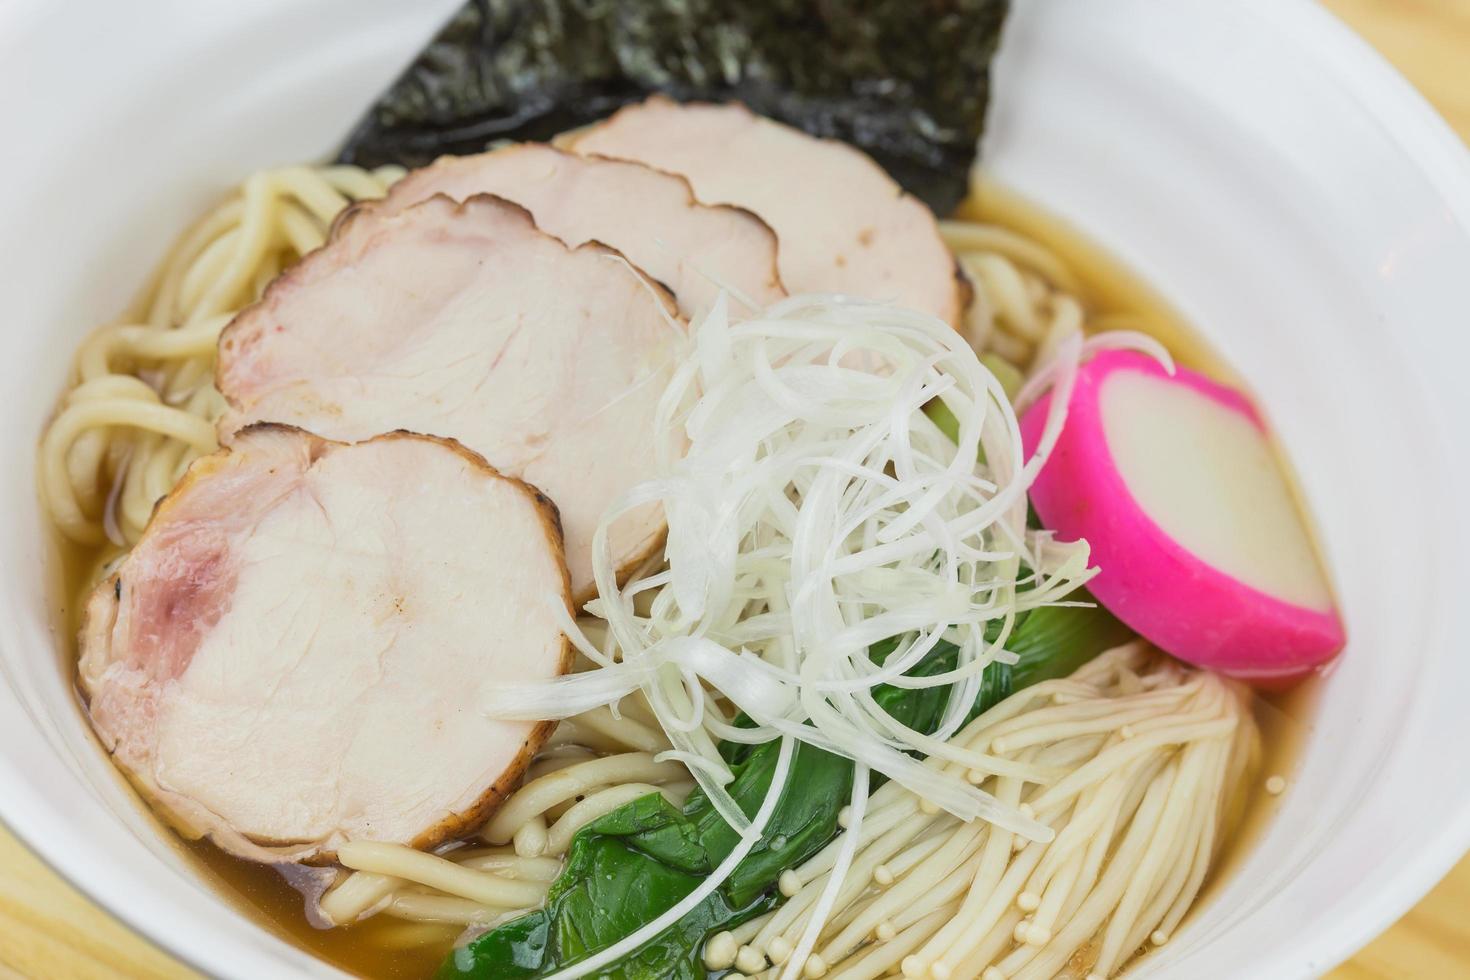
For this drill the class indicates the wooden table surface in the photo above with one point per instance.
(48, 930)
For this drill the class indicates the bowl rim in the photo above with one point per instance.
(1366, 78)
(1405, 115)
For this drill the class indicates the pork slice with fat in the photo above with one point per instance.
(289, 657)
(648, 215)
(844, 225)
(465, 320)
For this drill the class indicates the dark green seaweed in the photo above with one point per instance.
(906, 80)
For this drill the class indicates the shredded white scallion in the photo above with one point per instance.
(817, 511)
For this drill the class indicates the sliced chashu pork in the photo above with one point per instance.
(844, 225)
(289, 657)
(464, 320)
(648, 215)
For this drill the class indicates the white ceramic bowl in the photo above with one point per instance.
(1253, 160)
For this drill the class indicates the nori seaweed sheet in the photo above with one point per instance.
(906, 80)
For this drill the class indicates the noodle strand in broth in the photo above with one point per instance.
(142, 403)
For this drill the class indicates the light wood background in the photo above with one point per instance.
(48, 930)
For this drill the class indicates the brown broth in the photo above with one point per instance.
(1107, 287)
(395, 949)
(380, 947)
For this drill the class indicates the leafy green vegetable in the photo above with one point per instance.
(941, 416)
(805, 819)
(1009, 376)
(1051, 642)
(907, 82)
(802, 822)
(622, 870)
(639, 860)
(1054, 641)
(1010, 381)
